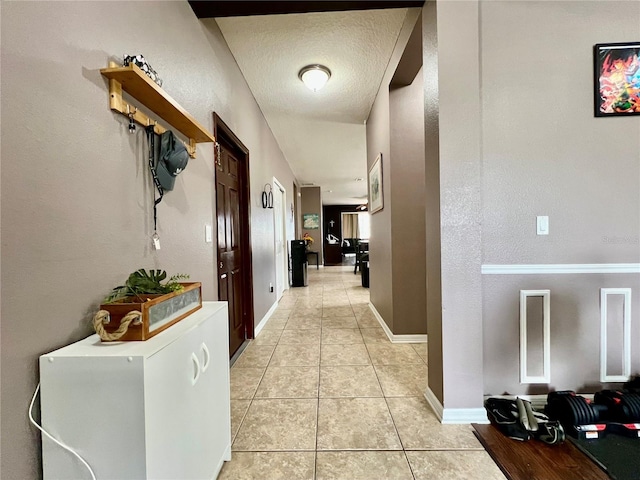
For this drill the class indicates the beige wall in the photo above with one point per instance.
(76, 195)
(311, 202)
(544, 153)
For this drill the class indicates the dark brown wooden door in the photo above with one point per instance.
(230, 259)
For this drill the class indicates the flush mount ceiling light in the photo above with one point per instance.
(314, 76)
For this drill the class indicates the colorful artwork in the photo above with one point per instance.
(617, 79)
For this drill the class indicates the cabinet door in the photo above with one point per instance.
(174, 431)
(214, 407)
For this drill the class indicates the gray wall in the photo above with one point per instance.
(460, 202)
(575, 331)
(544, 153)
(526, 144)
(509, 136)
(432, 196)
(551, 153)
(390, 244)
(406, 107)
(311, 202)
(380, 245)
(76, 195)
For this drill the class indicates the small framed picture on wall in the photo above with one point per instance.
(617, 79)
(311, 221)
(376, 192)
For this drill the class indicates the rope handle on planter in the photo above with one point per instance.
(102, 317)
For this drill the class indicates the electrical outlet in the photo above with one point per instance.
(270, 287)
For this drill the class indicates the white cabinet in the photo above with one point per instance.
(158, 409)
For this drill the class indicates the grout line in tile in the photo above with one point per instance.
(275, 450)
(315, 462)
(406, 457)
(261, 379)
(241, 423)
(388, 408)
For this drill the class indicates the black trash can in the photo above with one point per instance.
(298, 263)
(364, 270)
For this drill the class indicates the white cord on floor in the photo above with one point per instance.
(69, 449)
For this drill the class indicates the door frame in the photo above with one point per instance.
(285, 253)
(296, 218)
(222, 130)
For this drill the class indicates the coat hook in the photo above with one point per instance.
(132, 124)
(130, 114)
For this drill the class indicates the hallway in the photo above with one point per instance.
(322, 393)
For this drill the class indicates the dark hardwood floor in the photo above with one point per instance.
(534, 460)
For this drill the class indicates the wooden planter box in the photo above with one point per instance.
(159, 312)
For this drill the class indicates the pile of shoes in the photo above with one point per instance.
(518, 420)
(142, 64)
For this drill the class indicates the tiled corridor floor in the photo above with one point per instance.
(322, 393)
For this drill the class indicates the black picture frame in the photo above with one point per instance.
(616, 79)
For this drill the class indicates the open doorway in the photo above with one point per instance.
(355, 225)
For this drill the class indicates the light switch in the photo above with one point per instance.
(208, 234)
(542, 225)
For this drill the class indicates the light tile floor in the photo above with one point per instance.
(322, 394)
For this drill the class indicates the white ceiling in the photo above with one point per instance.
(321, 134)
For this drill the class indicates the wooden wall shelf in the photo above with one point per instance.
(134, 81)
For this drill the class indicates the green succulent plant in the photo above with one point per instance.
(142, 282)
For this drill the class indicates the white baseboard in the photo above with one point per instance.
(258, 328)
(420, 338)
(536, 269)
(434, 403)
(455, 416)
(464, 416)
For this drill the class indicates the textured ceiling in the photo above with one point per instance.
(321, 134)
